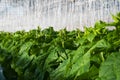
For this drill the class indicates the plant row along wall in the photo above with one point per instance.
(62, 55)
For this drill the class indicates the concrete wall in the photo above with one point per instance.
(28, 14)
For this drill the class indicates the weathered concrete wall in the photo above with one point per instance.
(28, 14)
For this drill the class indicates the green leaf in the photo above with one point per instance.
(91, 36)
(116, 17)
(25, 47)
(102, 44)
(110, 69)
(83, 65)
(73, 67)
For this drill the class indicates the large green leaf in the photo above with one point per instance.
(110, 69)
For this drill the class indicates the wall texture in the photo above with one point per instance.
(28, 14)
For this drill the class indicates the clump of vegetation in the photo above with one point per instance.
(62, 55)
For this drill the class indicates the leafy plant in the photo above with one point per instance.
(62, 55)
